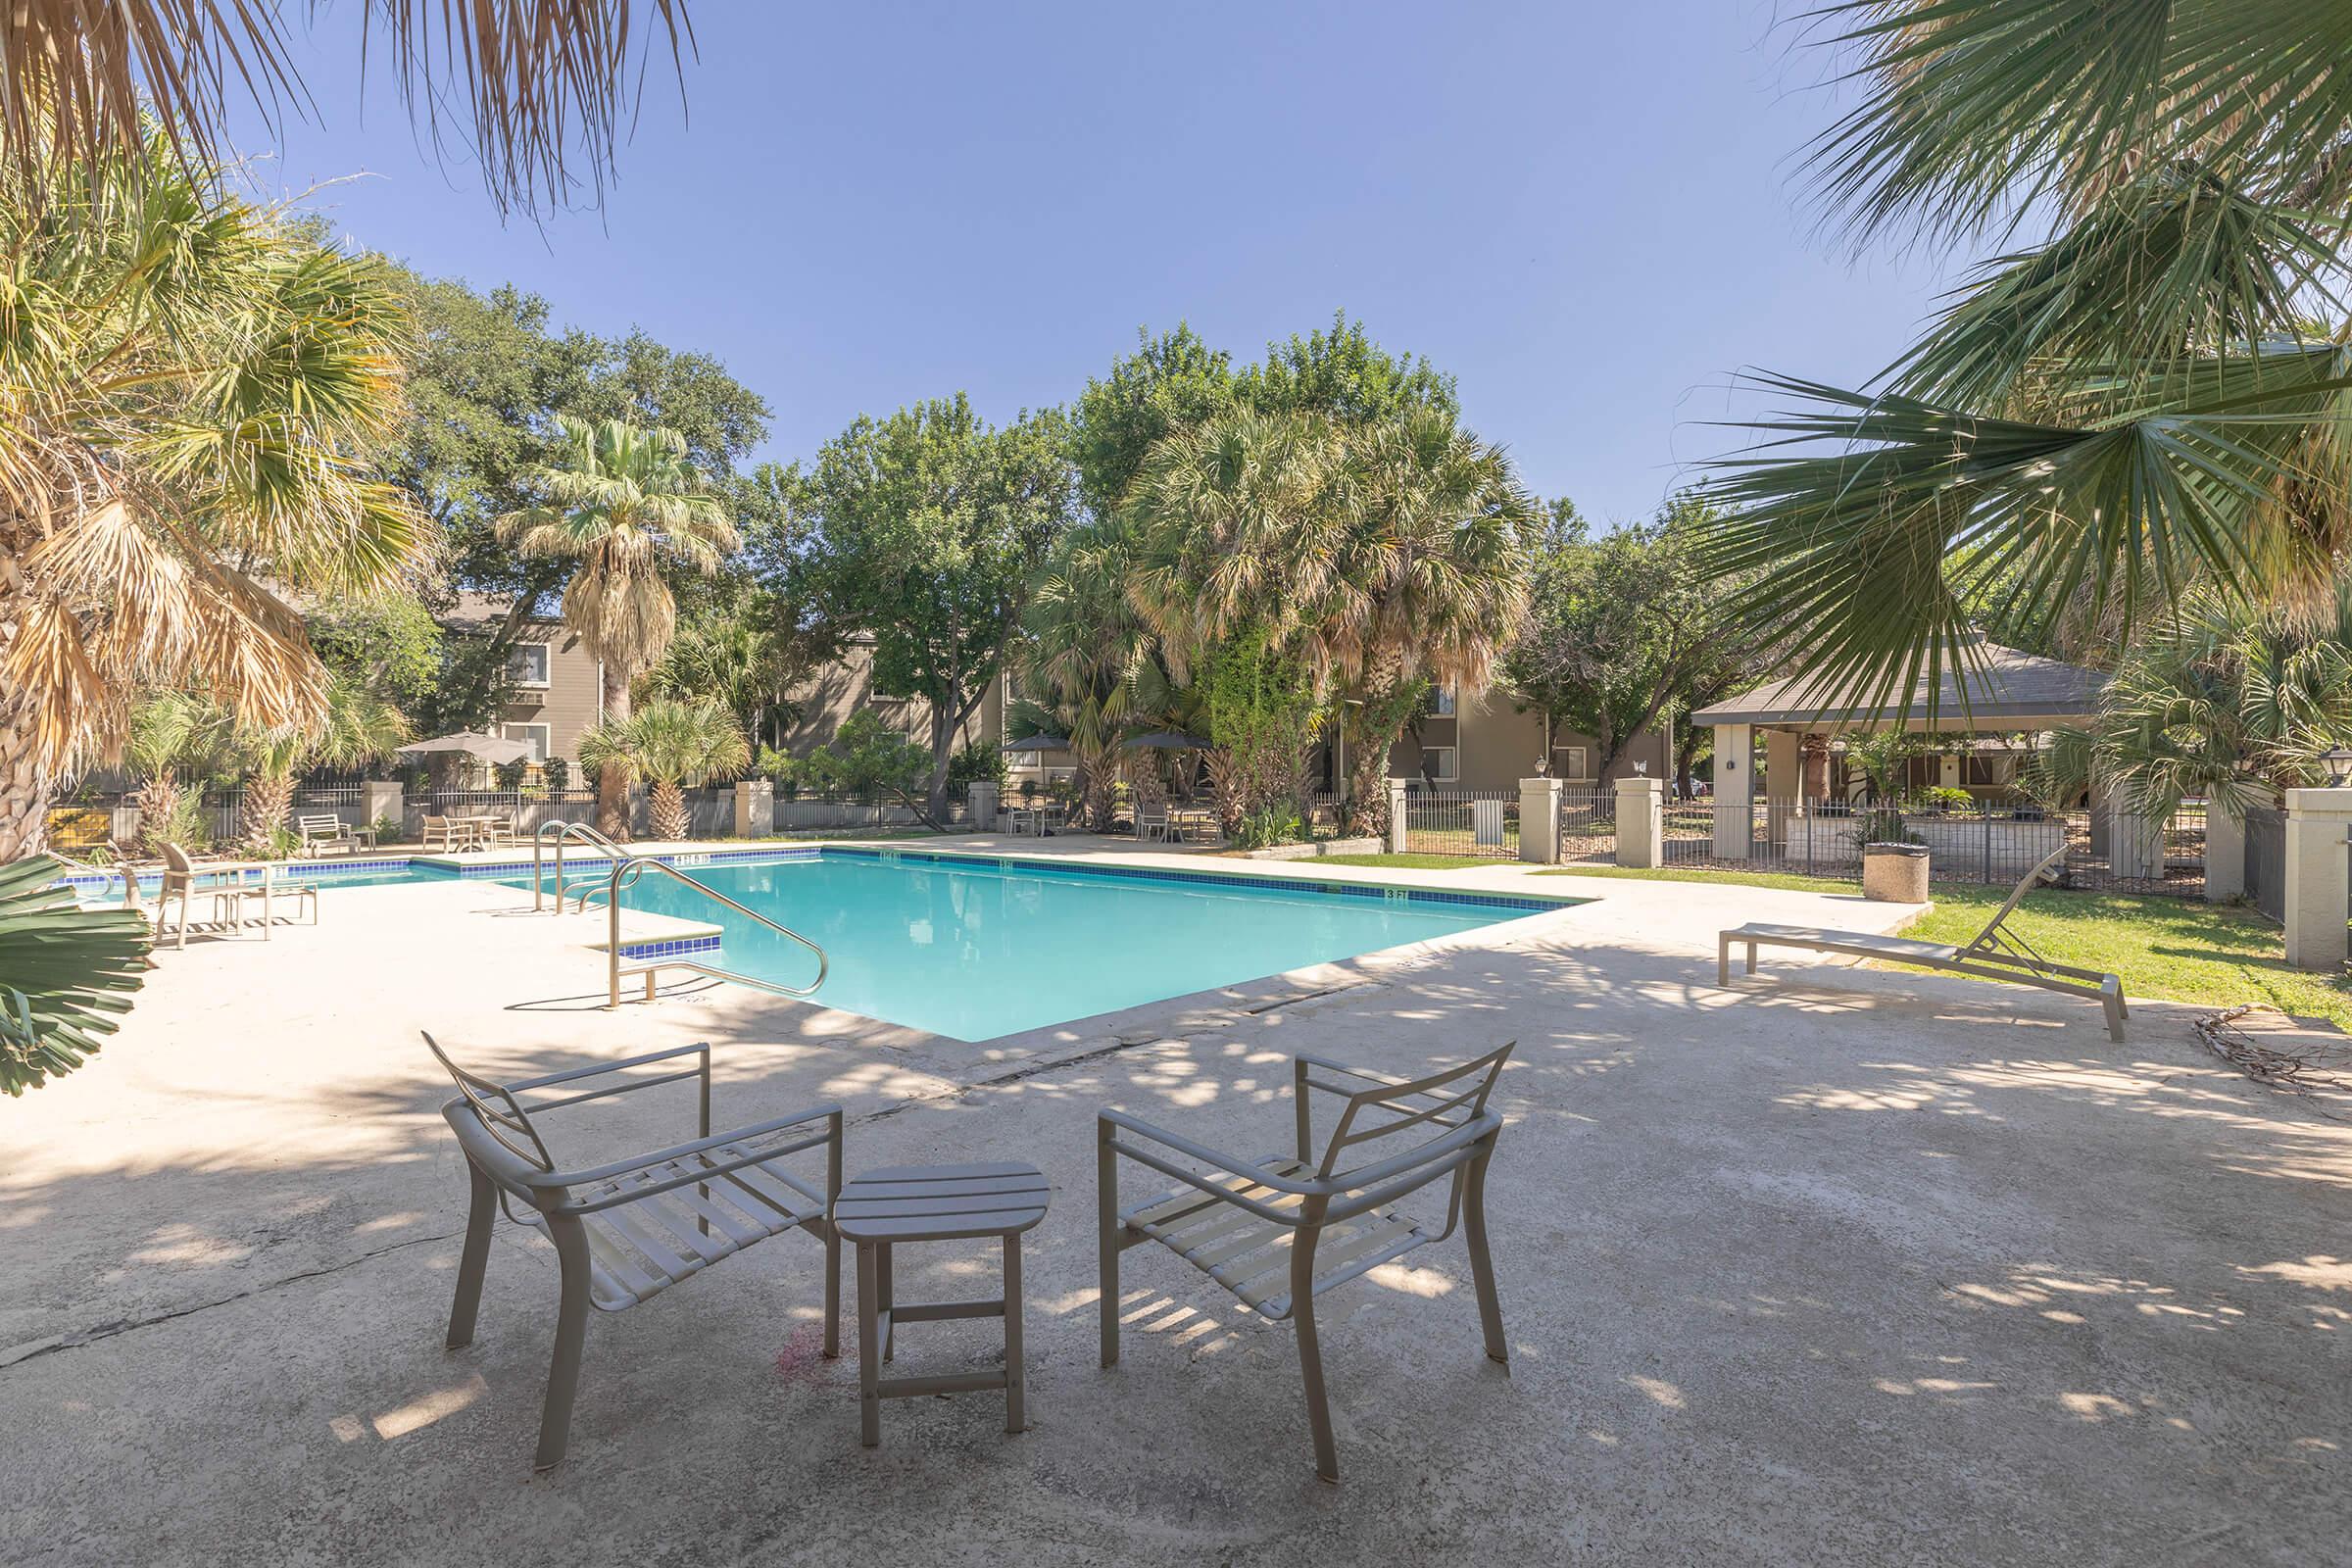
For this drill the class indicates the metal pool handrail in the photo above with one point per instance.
(625, 874)
(558, 832)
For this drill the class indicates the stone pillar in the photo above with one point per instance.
(1540, 820)
(2225, 855)
(383, 801)
(754, 807)
(1641, 822)
(1396, 824)
(1783, 771)
(2133, 844)
(1734, 790)
(984, 807)
(2316, 821)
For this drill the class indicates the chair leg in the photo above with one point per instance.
(475, 1262)
(1318, 1406)
(572, 1334)
(1106, 1241)
(887, 1295)
(1482, 1261)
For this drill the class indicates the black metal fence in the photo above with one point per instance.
(2266, 862)
(2105, 851)
(1466, 822)
(1588, 823)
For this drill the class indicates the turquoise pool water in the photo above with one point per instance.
(976, 949)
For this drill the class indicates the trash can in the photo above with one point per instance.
(1895, 873)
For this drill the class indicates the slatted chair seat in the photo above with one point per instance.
(642, 1246)
(1279, 1232)
(1251, 1256)
(628, 1230)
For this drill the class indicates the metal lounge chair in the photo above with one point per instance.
(627, 1230)
(328, 832)
(1280, 1231)
(1993, 954)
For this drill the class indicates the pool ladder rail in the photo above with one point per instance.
(626, 868)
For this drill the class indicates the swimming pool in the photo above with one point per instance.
(975, 947)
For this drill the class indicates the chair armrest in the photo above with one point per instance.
(701, 1173)
(602, 1067)
(1227, 1163)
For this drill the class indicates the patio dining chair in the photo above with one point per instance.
(1280, 1231)
(629, 1229)
(443, 833)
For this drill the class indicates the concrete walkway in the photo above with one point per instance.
(1835, 1266)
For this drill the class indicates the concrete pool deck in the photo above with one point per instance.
(1832, 1266)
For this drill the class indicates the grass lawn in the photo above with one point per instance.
(2175, 949)
(1412, 862)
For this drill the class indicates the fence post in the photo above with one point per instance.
(382, 800)
(2316, 866)
(983, 806)
(754, 807)
(1396, 822)
(1641, 822)
(1540, 820)
(2225, 855)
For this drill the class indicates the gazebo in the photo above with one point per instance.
(2006, 690)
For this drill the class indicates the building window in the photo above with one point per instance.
(1442, 765)
(1440, 702)
(1568, 761)
(526, 663)
(536, 734)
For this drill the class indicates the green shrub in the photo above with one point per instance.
(977, 762)
(557, 771)
(510, 774)
(1277, 823)
(1942, 798)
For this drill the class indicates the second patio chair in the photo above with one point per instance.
(1280, 1231)
(627, 1230)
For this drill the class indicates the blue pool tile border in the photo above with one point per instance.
(670, 948)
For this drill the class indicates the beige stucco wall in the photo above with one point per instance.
(845, 687)
(573, 698)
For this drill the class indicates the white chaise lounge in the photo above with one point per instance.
(1993, 953)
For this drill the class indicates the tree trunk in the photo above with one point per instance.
(25, 794)
(612, 780)
(266, 802)
(667, 811)
(159, 811)
(943, 752)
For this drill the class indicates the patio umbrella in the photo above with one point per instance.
(1038, 743)
(472, 742)
(1167, 741)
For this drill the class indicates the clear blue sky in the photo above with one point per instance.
(1588, 213)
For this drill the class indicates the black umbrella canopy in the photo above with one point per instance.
(1038, 743)
(1167, 741)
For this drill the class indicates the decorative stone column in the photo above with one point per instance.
(383, 800)
(1397, 816)
(984, 807)
(754, 807)
(1642, 821)
(1540, 820)
(1734, 791)
(2316, 821)
(2224, 856)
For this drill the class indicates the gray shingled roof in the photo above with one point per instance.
(2010, 685)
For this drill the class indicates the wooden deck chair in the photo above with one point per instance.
(1995, 952)
(629, 1229)
(1280, 1231)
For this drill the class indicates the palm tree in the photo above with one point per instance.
(620, 500)
(359, 727)
(2136, 405)
(172, 732)
(1082, 651)
(736, 657)
(191, 391)
(2226, 702)
(64, 973)
(1432, 582)
(545, 85)
(668, 741)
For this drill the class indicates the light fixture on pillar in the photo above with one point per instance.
(2338, 760)
(1640, 769)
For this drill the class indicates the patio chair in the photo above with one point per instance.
(628, 1229)
(496, 832)
(1993, 953)
(1151, 825)
(326, 832)
(180, 881)
(450, 833)
(1278, 1232)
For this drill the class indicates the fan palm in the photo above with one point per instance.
(64, 973)
(172, 732)
(620, 500)
(546, 79)
(191, 392)
(2140, 403)
(2230, 703)
(358, 727)
(1083, 648)
(668, 741)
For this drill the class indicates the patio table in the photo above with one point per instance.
(238, 868)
